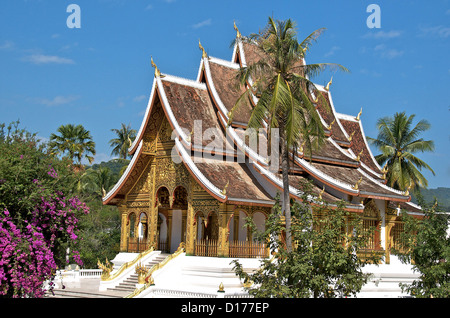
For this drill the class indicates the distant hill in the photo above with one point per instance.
(441, 194)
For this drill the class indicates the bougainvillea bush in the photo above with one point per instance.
(38, 214)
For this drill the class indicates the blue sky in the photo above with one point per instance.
(100, 74)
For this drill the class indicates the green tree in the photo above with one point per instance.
(398, 142)
(282, 84)
(125, 137)
(74, 141)
(425, 243)
(98, 181)
(324, 260)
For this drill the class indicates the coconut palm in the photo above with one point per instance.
(74, 141)
(281, 81)
(98, 181)
(125, 137)
(398, 143)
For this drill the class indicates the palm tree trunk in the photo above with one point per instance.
(285, 176)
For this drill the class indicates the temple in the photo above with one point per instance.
(195, 176)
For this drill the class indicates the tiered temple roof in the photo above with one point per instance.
(344, 168)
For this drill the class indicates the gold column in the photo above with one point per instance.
(124, 229)
(153, 213)
(224, 215)
(169, 228)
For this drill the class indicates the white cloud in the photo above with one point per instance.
(139, 98)
(47, 59)
(436, 31)
(6, 45)
(383, 35)
(333, 50)
(148, 7)
(56, 101)
(386, 52)
(202, 24)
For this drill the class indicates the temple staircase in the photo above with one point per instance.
(129, 284)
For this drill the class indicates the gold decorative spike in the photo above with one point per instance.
(221, 288)
(407, 190)
(321, 192)
(331, 125)
(301, 146)
(327, 88)
(203, 50)
(351, 136)
(359, 115)
(316, 99)
(356, 186)
(224, 191)
(359, 156)
(238, 34)
(157, 72)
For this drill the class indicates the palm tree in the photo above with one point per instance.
(75, 141)
(398, 143)
(125, 137)
(282, 84)
(98, 181)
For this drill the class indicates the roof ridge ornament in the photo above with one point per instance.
(327, 88)
(203, 50)
(224, 191)
(358, 118)
(157, 72)
(356, 186)
(238, 34)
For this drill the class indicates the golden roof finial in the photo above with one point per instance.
(356, 186)
(358, 158)
(224, 191)
(203, 50)
(157, 72)
(238, 34)
(221, 288)
(359, 115)
(321, 192)
(331, 125)
(327, 88)
(351, 136)
(407, 190)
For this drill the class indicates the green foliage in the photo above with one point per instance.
(74, 141)
(27, 171)
(324, 260)
(123, 141)
(425, 243)
(398, 142)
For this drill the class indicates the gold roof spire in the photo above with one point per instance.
(356, 186)
(203, 50)
(157, 72)
(327, 88)
(359, 115)
(238, 34)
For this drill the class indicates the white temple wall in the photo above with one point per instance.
(176, 230)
